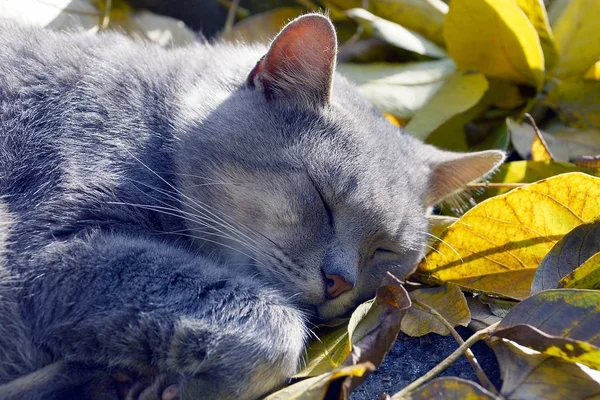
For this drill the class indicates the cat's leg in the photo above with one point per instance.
(145, 306)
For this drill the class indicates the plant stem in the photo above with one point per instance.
(477, 336)
(539, 134)
(231, 16)
(488, 185)
(481, 376)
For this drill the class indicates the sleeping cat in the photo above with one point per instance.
(184, 215)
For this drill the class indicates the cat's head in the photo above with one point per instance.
(308, 186)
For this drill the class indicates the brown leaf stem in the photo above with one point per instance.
(477, 336)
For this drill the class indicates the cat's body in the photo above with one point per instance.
(163, 214)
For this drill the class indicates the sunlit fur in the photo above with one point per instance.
(157, 213)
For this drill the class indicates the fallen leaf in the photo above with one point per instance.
(495, 38)
(365, 337)
(566, 313)
(586, 276)
(395, 34)
(496, 246)
(447, 300)
(460, 92)
(540, 376)
(576, 33)
(568, 349)
(452, 388)
(481, 315)
(316, 388)
(398, 89)
(570, 252)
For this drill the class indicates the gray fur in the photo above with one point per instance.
(161, 216)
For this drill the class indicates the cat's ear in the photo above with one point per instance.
(451, 172)
(299, 65)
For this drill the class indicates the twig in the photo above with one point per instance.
(106, 14)
(477, 336)
(539, 134)
(231, 16)
(481, 376)
(488, 185)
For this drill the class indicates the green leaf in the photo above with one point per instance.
(576, 32)
(586, 276)
(496, 246)
(495, 38)
(395, 34)
(570, 252)
(398, 89)
(460, 92)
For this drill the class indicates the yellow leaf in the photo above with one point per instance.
(452, 388)
(586, 276)
(494, 37)
(263, 27)
(460, 92)
(316, 388)
(593, 72)
(423, 16)
(576, 33)
(536, 12)
(399, 122)
(496, 246)
(539, 150)
(531, 171)
(577, 102)
(447, 300)
(504, 94)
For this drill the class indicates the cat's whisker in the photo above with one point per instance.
(202, 207)
(176, 213)
(447, 244)
(435, 250)
(203, 217)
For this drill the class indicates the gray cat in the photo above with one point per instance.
(179, 217)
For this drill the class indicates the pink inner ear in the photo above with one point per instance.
(301, 60)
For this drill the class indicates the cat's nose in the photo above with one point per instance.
(336, 285)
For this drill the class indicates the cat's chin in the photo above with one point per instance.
(342, 306)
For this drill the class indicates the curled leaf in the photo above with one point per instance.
(570, 252)
(447, 300)
(586, 276)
